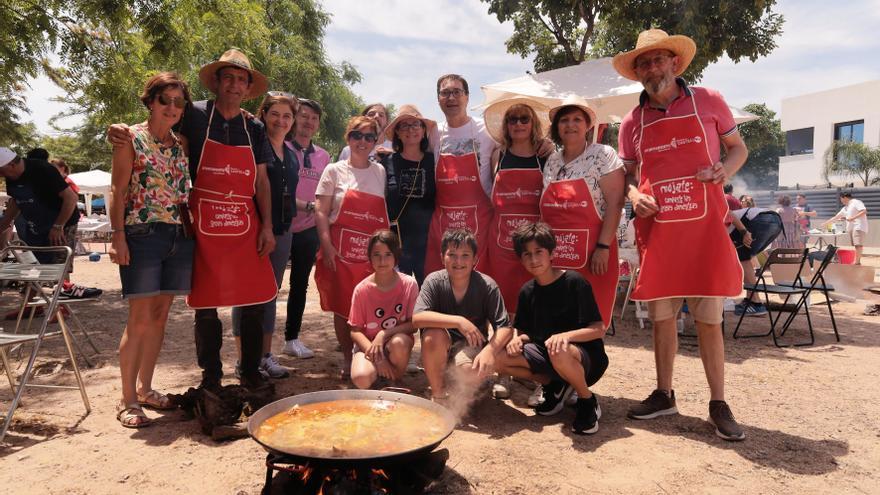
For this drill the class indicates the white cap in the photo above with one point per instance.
(6, 156)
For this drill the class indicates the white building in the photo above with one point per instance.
(812, 121)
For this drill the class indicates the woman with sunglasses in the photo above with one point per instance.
(410, 187)
(383, 149)
(150, 183)
(349, 208)
(277, 112)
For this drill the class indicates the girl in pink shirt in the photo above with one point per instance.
(381, 314)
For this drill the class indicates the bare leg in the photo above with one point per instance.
(435, 348)
(568, 365)
(711, 343)
(137, 332)
(859, 254)
(398, 349)
(518, 367)
(152, 344)
(749, 277)
(363, 373)
(665, 347)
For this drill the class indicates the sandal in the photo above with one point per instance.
(155, 400)
(132, 416)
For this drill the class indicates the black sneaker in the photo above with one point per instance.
(555, 394)
(726, 426)
(73, 291)
(586, 419)
(657, 404)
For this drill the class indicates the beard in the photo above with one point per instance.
(657, 84)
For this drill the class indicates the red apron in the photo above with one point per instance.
(461, 203)
(360, 215)
(685, 250)
(227, 271)
(567, 206)
(515, 196)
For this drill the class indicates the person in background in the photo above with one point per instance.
(791, 228)
(312, 160)
(383, 150)
(732, 202)
(277, 112)
(150, 182)
(752, 230)
(856, 216)
(805, 213)
(747, 201)
(70, 289)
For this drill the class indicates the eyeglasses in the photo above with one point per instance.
(522, 119)
(358, 135)
(645, 63)
(407, 127)
(177, 101)
(452, 93)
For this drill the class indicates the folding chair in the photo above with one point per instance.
(34, 276)
(817, 282)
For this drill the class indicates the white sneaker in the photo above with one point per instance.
(298, 349)
(537, 396)
(269, 365)
(501, 388)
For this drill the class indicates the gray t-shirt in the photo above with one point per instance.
(482, 303)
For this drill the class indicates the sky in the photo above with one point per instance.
(402, 46)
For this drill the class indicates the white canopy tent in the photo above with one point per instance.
(91, 183)
(611, 95)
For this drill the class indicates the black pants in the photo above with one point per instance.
(209, 340)
(303, 250)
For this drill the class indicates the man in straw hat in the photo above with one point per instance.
(671, 146)
(230, 206)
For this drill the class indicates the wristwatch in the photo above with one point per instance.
(310, 206)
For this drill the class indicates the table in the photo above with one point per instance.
(822, 239)
(93, 230)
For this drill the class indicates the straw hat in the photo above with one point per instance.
(493, 116)
(409, 111)
(655, 39)
(233, 58)
(575, 101)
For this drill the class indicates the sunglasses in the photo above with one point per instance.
(281, 93)
(177, 101)
(406, 127)
(522, 119)
(358, 135)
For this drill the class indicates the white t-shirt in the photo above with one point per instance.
(596, 161)
(853, 208)
(345, 154)
(339, 177)
(465, 139)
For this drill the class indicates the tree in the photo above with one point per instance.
(108, 48)
(851, 159)
(561, 33)
(766, 143)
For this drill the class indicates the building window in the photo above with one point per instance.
(850, 131)
(799, 141)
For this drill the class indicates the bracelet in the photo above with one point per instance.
(310, 206)
(58, 226)
(599, 245)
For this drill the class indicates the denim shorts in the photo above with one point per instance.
(765, 228)
(161, 260)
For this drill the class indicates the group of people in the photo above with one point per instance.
(439, 230)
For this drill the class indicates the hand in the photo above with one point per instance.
(599, 261)
(515, 346)
(329, 255)
(471, 333)
(376, 352)
(265, 242)
(119, 135)
(716, 174)
(546, 147)
(56, 237)
(644, 205)
(385, 369)
(747, 239)
(484, 363)
(557, 344)
(801, 213)
(118, 251)
(381, 150)
(247, 115)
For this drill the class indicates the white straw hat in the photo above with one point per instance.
(655, 39)
(493, 116)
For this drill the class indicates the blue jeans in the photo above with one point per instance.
(161, 260)
(278, 258)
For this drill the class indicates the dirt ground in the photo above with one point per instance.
(810, 416)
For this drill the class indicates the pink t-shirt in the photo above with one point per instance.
(308, 183)
(711, 107)
(373, 310)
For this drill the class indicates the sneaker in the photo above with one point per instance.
(726, 426)
(586, 419)
(555, 395)
(872, 310)
(537, 397)
(572, 399)
(238, 370)
(501, 388)
(750, 309)
(297, 349)
(269, 366)
(657, 404)
(73, 291)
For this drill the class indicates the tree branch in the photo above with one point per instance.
(589, 19)
(556, 31)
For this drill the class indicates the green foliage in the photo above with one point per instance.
(108, 48)
(560, 33)
(766, 143)
(851, 159)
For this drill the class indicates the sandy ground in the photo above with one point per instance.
(810, 414)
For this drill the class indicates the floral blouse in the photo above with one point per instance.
(159, 180)
(595, 162)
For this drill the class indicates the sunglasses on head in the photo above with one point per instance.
(522, 119)
(281, 93)
(177, 101)
(358, 135)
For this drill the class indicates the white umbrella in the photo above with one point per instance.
(611, 95)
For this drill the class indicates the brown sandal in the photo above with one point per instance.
(132, 416)
(155, 400)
